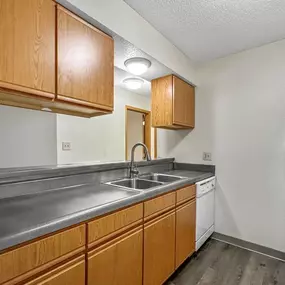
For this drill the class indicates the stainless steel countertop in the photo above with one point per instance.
(27, 217)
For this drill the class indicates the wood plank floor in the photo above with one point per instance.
(218, 263)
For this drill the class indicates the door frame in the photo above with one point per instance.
(147, 130)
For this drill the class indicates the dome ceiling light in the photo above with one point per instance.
(137, 65)
(133, 83)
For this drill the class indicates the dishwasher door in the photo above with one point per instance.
(205, 217)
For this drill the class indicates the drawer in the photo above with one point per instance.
(159, 205)
(185, 194)
(113, 224)
(25, 261)
(71, 273)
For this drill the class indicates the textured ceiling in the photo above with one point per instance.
(208, 29)
(125, 50)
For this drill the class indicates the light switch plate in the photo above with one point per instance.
(66, 146)
(207, 156)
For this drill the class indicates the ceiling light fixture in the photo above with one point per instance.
(137, 65)
(133, 83)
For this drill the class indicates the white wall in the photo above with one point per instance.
(188, 145)
(27, 138)
(100, 138)
(120, 18)
(241, 120)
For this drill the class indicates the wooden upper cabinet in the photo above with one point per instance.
(27, 46)
(173, 103)
(85, 63)
(183, 103)
(52, 60)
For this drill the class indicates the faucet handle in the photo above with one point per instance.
(134, 171)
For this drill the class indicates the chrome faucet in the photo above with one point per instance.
(133, 169)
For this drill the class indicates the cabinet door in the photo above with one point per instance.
(71, 273)
(185, 232)
(190, 107)
(119, 263)
(161, 101)
(183, 103)
(85, 62)
(27, 46)
(159, 249)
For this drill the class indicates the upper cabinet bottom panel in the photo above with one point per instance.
(32, 102)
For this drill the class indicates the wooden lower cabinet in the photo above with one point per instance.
(139, 245)
(118, 262)
(28, 260)
(71, 273)
(185, 232)
(159, 249)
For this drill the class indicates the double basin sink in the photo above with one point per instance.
(145, 182)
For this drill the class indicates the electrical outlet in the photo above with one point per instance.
(66, 146)
(207, 156)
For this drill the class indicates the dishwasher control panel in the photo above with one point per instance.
(206, 185)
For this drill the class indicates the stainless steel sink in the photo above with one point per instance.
(145, 182)
(135, 183)
(161, 177)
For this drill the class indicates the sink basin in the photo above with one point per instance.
(135, 183)
(145, 182)
(161, 177)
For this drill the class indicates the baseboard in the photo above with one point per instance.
(250, 246)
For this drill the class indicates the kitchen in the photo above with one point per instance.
(61, 220)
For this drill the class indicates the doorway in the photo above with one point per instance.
(138, 129)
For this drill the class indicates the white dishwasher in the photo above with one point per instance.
(205, 210)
